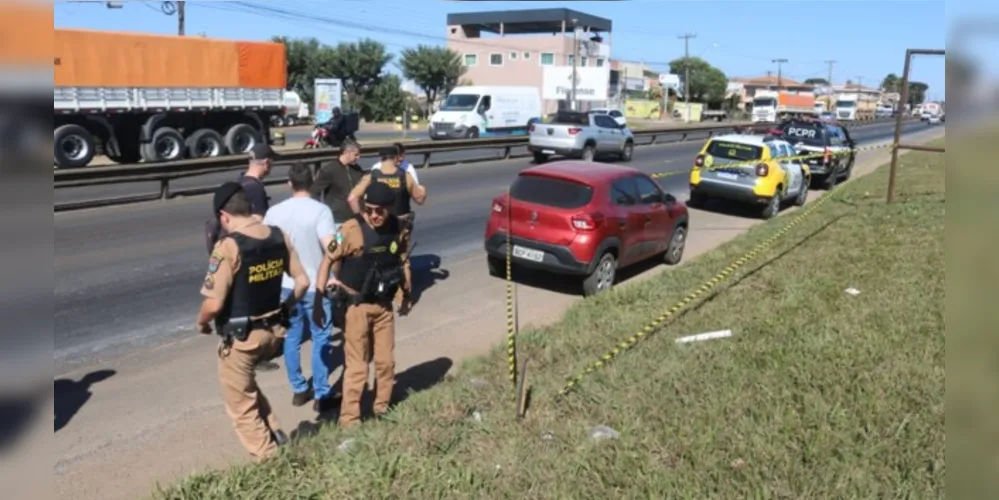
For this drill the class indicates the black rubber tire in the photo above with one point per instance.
(628, 151)
(597, 281)
(497, 266)
(83, 140)
(205, 143)
(697, 200)
(473, 133)
(802, 197)
(849, 171)
(829, 182)
(166, 136)
(240, 138)
(589, 153)
(677, 243)
(540, 158)
(772, 208)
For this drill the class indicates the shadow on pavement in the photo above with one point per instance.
(70, 396)
(426, 272)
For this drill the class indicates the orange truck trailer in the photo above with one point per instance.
(162, 98)
(770, 106)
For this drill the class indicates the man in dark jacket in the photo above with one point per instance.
(336, 179)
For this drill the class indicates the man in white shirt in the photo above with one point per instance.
(401, 162)
(309, 223)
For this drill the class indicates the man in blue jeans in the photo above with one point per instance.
(309, 223)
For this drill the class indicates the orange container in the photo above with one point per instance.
(104, 59)
(25, 34)
(262, 65)
(796, 100)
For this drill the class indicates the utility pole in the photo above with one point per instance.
(780, 80)
(832, 89)
(575, 62)
(830, 62)
(686, 70)
(180, 17)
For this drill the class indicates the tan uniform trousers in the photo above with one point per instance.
(246, 405)
(369, 333)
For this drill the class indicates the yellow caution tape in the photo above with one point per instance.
(649, 329)
(709, 167)
(511, 323)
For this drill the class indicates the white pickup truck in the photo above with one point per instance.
(580, 135)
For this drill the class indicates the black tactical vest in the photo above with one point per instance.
(397, 182)
(256, 288)
(375, 273)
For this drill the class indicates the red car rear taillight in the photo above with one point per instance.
(574, 131)
(586, 222)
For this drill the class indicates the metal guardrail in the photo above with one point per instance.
(164, 173)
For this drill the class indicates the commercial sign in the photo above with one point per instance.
(637, 83)
(329, 95)
(591, 83)
(669, 81)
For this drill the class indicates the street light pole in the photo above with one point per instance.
(575, 62)
(686, 70)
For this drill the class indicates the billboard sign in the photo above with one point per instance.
(329, 95)
(592, 84)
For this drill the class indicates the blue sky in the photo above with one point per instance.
(741, 38)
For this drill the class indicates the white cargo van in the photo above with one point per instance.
(486, 111)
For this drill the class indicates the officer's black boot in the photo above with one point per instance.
(279, 437)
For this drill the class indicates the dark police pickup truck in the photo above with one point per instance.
(829, 139)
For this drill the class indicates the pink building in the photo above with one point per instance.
(518, 45)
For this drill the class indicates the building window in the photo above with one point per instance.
(570, 59)
(495, 59)
(547, 59)
(600, 63)
(527, 55)
(582, 61)
(471, 59)
(513, 56)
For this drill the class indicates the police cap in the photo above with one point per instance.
(379, 194)
(222, 195)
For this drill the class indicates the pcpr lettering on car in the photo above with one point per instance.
(801, 132)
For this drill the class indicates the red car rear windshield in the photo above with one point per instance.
(550, 192)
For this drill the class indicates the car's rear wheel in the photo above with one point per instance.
(677, 242)
(697, 200)
(589, 152)
(629, 149)
(497, 266)
(829, 182)
(802, 196)
(602, 277)
(772, 208)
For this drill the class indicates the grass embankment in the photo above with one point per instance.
(819, 394)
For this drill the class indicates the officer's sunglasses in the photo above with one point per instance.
(379, 211)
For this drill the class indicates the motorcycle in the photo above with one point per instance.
(322, 138)
(317, 139)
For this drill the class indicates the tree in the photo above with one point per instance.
(386, 100)
(817, 81)
(307, 59)
(436, 70)
(707, 83)
(917, 92)
(360, 66)
(891, 83)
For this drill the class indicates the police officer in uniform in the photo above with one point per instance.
(401, 182)
(369, 256)
(242, 297)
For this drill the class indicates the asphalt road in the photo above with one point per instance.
(82, 194)
(128, 276)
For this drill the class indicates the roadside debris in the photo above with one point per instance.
(704, 336)
(852, 291)
(346, 445)
(603, 432)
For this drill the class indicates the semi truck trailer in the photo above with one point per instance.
(772, 106)
(161, 98)
(855, 107)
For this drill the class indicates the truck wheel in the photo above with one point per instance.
(473, 133)
(167, 145)
(602, 277)
(73, 146)
(241, 138)
(205, 143)
(589, 152)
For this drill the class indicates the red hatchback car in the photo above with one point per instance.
(584, 219)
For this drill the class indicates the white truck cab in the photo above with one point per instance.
(486, 111)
